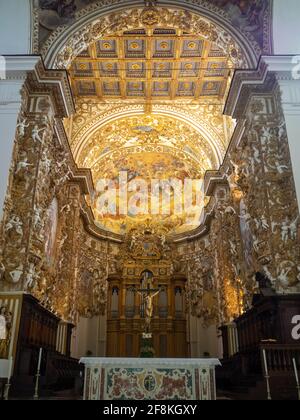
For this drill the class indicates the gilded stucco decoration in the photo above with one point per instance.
(132, 19)
(268, 207)
(41, 245)
(250, 19)
(255, 220)
(206, 119)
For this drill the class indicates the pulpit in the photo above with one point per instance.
(149, 379)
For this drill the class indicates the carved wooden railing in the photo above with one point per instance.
(280, 358)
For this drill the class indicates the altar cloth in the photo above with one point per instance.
(149, 379)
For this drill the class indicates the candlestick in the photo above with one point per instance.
(36, 393)
(40, 359)
(9, 375)
(265, 363)
(297, 377)
(267, 377)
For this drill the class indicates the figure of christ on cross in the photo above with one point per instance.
(147, 305)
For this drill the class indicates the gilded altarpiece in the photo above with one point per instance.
(146, 250)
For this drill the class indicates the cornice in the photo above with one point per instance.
(270, 70)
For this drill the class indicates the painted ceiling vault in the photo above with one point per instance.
(149, 103)
(147, 147)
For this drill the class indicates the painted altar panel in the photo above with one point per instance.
(149, 379)
(149, 384)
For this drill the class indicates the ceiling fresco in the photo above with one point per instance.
(248, 16)
(147, 148)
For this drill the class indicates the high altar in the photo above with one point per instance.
(149, 379)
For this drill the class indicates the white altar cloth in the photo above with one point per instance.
(149, 379)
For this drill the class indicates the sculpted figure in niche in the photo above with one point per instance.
(247, 238)
(5, 331)
(2, 271)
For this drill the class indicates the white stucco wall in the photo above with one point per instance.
(15, 39)
(8, 121)
(15, 27)
(89, 335)
(286, 27)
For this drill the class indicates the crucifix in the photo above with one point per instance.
(147, 293)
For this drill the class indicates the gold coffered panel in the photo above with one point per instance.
(151, 64)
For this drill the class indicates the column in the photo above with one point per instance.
(286, 28)
(287, 73)
(10, 105)
(16, 22)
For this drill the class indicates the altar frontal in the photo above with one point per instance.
(149, 379)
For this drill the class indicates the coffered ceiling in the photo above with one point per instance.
(151, 65)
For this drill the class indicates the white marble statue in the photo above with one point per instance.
(264, 223)
(289, 230)
(233, 248)
(35, 135)
(14, 224)
(280, 168)
(47, 164)
(283, 276)
(266, 135)
(21, 128)
(256, 155)
(285, 231)
(23, 165)
(256, 244)
(31, 277)
(16, 275)
(37, 220)
(2, 271)
(294, 229)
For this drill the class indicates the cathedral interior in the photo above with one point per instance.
(112, 108)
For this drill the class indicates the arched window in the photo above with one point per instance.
(163, 304)
(129, 303)
(178, 302)
(115, 302)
